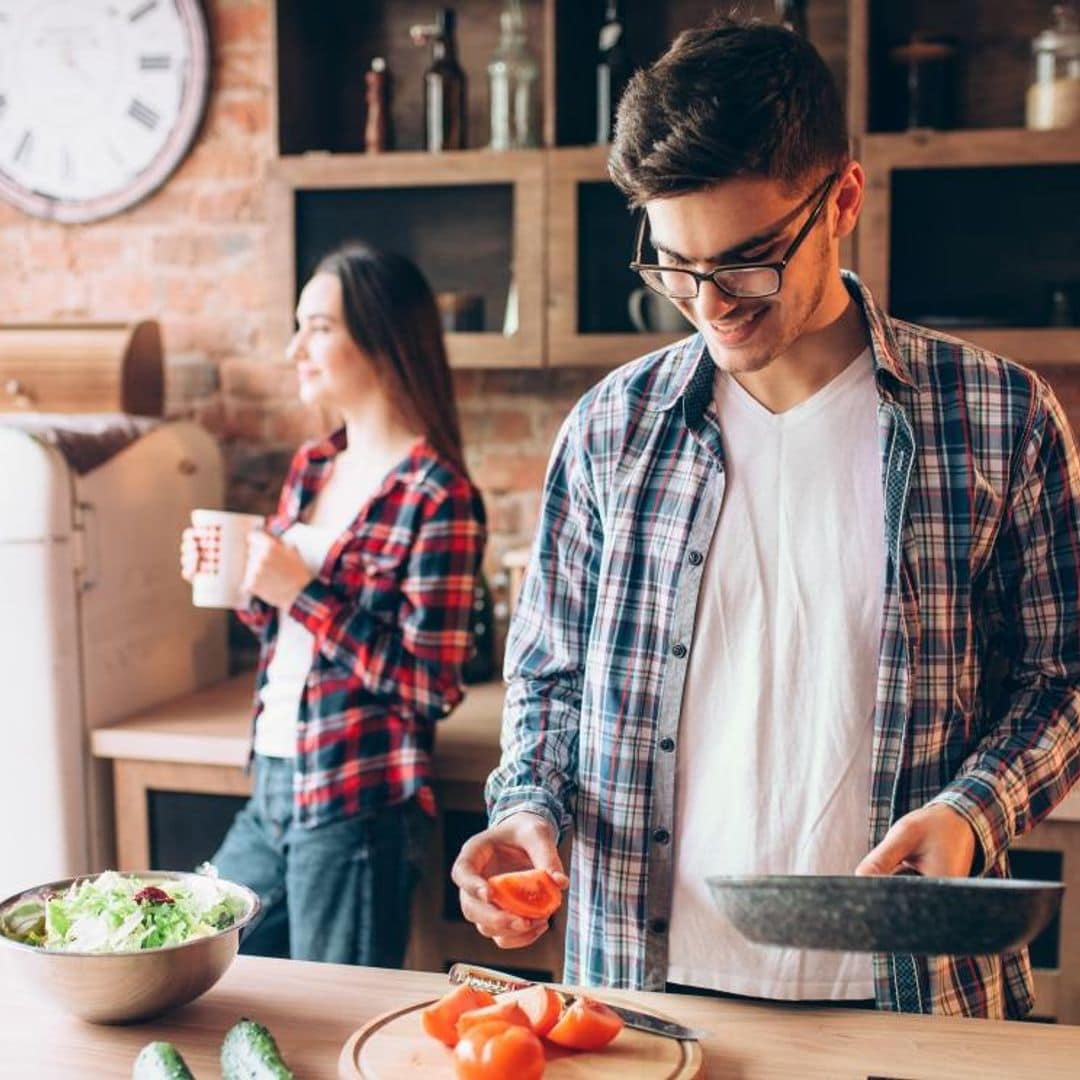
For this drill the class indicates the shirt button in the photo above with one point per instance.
(678, 649)
(658, 926)
(696, 558)
(661, 836)
(667, 744)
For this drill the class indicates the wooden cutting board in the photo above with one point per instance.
(395, 1045)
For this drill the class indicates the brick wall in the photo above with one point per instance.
(193, 254)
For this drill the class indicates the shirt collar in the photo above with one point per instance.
(691, 369)
(329, 447)
(420, 455)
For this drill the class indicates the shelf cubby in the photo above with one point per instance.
(971, 230)
(990, 69)
(473, 224)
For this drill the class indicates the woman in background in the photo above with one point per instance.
(361, 586)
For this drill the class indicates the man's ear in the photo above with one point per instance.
(850, 189)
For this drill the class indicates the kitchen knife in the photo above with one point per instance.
(495, 982)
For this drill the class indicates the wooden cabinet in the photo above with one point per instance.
(970, 229)
(473, 221)
(550, 223)
(589, 244)
(547, 220)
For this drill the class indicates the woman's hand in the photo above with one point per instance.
(275, 572)
(189, 555)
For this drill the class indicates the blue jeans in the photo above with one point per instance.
(339, 893)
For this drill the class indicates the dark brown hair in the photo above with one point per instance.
(390, 313)
(730, 99)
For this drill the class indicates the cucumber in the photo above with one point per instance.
(160, 1061)
(250, 1053)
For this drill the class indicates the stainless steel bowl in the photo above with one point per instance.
(115, 988)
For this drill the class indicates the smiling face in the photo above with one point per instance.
(332, 369)
(747, 220)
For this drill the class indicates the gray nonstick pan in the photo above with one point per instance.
(921, 915)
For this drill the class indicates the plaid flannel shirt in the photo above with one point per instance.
(389, 612)
(978, 693)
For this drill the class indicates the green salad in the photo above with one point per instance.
(117, 913)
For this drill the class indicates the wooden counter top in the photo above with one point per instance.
(212, 727)
(748, 1041)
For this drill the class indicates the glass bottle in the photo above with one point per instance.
(612, 70)
(512, 77)
(377, 101)
(1053, 99)
(792, 14)
(444, 87)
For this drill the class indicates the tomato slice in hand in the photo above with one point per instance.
(496, 1050)
(440, 1020)
(586, 1025)
(540, 1004)
(532, 894)
(509, 1011)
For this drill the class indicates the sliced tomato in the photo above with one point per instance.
(532, 894)
(496, 1050)
(440, 1020)
(540, 1004)
(586, 1025)
(501, 1010)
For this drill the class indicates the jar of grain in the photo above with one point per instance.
(1053, 99)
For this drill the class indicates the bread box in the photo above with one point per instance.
(82, 368)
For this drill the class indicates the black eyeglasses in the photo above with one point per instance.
(742, 281)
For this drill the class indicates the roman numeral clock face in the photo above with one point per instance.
(99, 101)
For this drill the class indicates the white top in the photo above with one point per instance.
(777, 714)
(275, 728)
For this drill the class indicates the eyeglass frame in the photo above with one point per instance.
(701, 276)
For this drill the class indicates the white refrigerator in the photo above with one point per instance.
(95, 621)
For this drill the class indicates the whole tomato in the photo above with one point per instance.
(497, 1050)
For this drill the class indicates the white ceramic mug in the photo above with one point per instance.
(221, 537)
(651, 313)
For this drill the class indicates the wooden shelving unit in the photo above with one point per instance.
(453, 247)
(568, 170)
(320, 54)
(1021, 230)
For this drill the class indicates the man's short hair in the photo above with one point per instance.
(733, 98)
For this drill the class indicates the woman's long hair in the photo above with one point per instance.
(390, 313)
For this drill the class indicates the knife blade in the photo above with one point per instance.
(496, 982)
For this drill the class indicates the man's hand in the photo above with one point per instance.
(935, 840)
(275, 572)
(520, 842)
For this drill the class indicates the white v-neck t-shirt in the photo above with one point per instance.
(777, 713)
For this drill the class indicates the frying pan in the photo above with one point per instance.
(920, 915)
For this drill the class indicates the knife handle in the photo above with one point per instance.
(494, 982)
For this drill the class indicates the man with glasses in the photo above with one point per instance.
(805, 596)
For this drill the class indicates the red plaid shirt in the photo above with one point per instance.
(389, 612)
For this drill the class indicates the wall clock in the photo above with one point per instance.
(99, 101)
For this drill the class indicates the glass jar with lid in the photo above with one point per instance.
(1053, 99)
